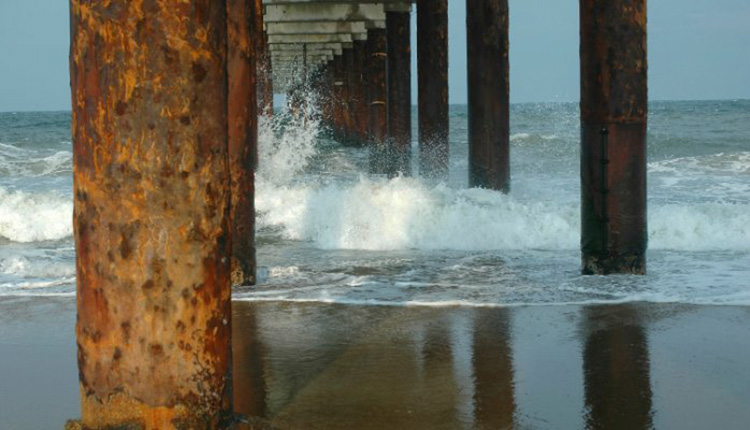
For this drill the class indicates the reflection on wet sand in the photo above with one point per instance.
(617, 370)
(317, 366)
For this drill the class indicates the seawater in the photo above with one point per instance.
(328, 231)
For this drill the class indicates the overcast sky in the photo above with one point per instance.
(698, 49)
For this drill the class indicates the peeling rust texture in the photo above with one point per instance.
(488, 84)
(243, 135)
(613, 142)
(151, 218)
(432, 75)
(264, 71)
(399, 89)
(377, 100)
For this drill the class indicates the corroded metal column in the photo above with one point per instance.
(348, 100)
(377, 99)
(489, 120)
(152, 200)
(613, 136)
(432, 75)
(243, 134)
(263, 67)
(360, 97)
(399, 87)
(339, 83)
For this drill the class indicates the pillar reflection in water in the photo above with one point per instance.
(617, 370)
(248, 370)
(492, 359)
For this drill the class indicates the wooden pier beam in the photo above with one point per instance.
(243, 134)
(398, 25)
(432, 57)
(614, 100)
(152, 213)
(489, 102)
(377, 99)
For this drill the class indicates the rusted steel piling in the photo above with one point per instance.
(399, 88)
(349, 98)
(263, 62)
(243, 134)
(339, 84)
(614, 100)
(152, 213)
(359, 94)
(432, 75)
(377, 100)
(488, 85)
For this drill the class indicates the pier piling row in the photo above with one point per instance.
(166, 99)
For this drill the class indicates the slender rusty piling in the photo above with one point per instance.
(263, 62)
(377, 100)
(613, 136)
(348, 101)
(360, 89)
(489, 120)
(152, 219)
(339, 83)
(243, 135)
(432, 75)
(399, 88)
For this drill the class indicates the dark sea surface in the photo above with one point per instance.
(330, 232)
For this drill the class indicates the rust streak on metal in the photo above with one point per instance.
(243, 135)
(152, 193)
(614, 104)
(488, 84)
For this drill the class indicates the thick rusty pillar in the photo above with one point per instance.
(152, 213)
(432, 75)
(263, 63)
(243, 135)
(377, 100)
(359, 96)
(616, 367)
(399, 88)
(614, 100)
(489, 102)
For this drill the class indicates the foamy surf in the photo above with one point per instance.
(34, 217)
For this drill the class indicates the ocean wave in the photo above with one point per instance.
(34, 217)
(734, 163)
(15, 161)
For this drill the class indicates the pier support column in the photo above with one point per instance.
(349, 98)
(243, 134)
(360, 107)
(339, 82)
(263, 68)
(152, 213)
(489, 113)
(398, 20)
(377, 99)
(432, 57)
(613, 136)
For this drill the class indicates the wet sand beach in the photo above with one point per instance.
(328, 366)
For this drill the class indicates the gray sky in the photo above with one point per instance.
(698, 49)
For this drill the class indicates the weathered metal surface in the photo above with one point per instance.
(432, 75)
(613, 136)
(488, 91)
(399, 90)
(152, 231)
(243, 134)
(264, 71)
(377, 100)
(616, 368)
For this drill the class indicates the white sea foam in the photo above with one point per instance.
(33, 217)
